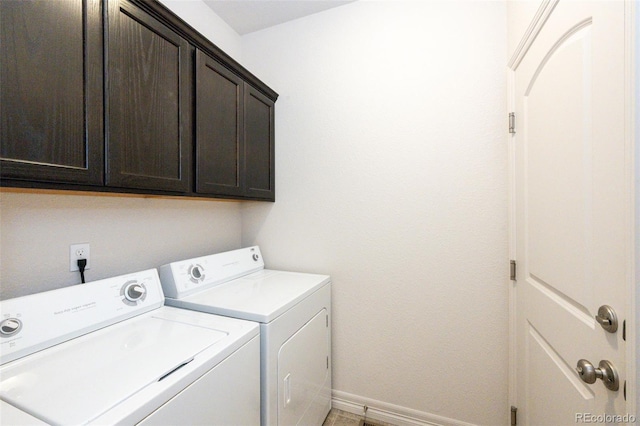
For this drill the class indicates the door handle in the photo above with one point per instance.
(287, 390)
(605, 372)
(607, 318)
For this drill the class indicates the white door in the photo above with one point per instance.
(571, 211)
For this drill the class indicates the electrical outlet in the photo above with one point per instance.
(79, 251)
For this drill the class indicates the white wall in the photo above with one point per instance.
(125, 233)
(391, 174)
(391, 177)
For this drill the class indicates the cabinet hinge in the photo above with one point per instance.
(514, 415)
(512, 270)
(512, 123)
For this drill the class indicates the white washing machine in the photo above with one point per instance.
(294, 312)
(109, 352)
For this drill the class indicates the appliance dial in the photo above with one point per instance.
(10, 326)
(134, 292)
(255, 257)
(196, 273)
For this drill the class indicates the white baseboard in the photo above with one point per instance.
(389, 413)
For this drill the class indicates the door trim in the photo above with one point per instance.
(632, 143)
(632, 149)
(541, 16)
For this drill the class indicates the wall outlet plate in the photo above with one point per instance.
(79, 251)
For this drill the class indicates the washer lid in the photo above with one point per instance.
(261, 296)
(79, 380)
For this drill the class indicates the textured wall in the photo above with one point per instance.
(391, 161)
(391, 174)
(126, 233)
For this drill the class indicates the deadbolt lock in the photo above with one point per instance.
(605, 372)
(607, 318)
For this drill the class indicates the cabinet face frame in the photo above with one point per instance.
(91, 172)
(121, 140)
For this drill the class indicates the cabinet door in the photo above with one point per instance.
(149, 123)
(218, 128)
(259, 149)
(51, 91)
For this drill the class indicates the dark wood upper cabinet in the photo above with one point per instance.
(124, 96)
(219, 118)
(149, 118)
(51, 91)
(259, 144)
(234, 134)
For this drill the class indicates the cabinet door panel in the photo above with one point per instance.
(51, 91)
(149, 85)
(259, 137)
(218, 128)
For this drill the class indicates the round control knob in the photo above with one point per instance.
(10, 326)
(134, 292)
(255, 257)
(197, 273)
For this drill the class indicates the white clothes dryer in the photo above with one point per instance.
(294, 312)
(109, 352)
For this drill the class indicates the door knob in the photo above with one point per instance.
(607, 318)
(606, 372)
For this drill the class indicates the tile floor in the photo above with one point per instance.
(342, 418)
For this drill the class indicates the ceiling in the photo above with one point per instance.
(247, 16)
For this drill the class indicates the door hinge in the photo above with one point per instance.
(514, 415)
(327, 362)
(512, 123)
(624, 330)
(512, 270)
(327, 317)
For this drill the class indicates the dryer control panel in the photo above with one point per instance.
(38, 321)
(180, 279)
